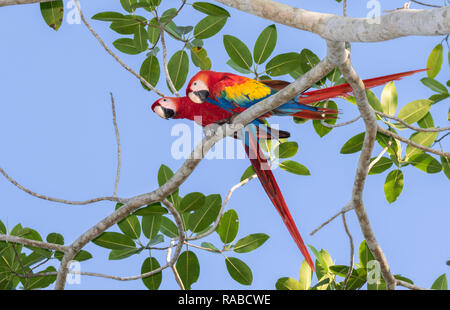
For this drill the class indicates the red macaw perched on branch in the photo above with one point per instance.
(234, 94)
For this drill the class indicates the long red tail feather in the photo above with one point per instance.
(346, 89)
(270, 185)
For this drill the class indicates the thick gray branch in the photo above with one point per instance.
(14, 2)
(396, 24)
(370, 121)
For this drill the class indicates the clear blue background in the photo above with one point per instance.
(57, 138)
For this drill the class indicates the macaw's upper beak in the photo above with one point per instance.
(202, 94)
(164, 112)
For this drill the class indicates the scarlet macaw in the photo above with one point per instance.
(234, 94)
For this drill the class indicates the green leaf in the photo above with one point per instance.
(200, 58)
(287, 284)
(286, 149)
(192, 201)
(108, 16)
(210, 246)
(422, 138)
(283, 64)
(140, 38)
(308, 60)
(415, 110)
(153, 31)
(122, 254)
(239, 270)
(320, 129)
(188, 268)
(168, 228)
(393, 185)
(40, 282)
(373, 101)
(434, 85)
(445, 161)
(201, 218)
(53, 13)
(440, 283)
(128, 24)
(250, 243)
(150, 71)
(178, 68)
(228, 226)
(382, 165)
(128, 5)
(265, 44)
(365, 255)
(126, 45)
(82, 256)
(233, 65)
(238, 51)
(435, 60)
(114, 240)
(354, 144)
(130, 226)
(164, 174)
(153, 209)
(294, 167)
(305, 276)
(53, 238)
(151, 225)
(426, 121)
(439, 97)
(425, 162)
(248, 173)
(389, 99)
(209, 26)
(152, 282)
(2, 228)
(210, 9)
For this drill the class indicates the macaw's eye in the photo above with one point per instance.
(164, 100)
(195, 84)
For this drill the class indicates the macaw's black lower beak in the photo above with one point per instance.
(202, 94)
(164, 112)
(168, 113)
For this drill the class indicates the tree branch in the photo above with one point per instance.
(119, 147)
(38, 244)
(15, 2)
(370, 121)
(396, 24)
(417, 146)
(410, 126)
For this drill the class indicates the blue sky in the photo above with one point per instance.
(57, 138)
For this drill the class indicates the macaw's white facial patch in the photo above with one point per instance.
(197, 86)
(158, 110)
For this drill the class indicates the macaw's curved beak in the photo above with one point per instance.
(164, 112)
(202, 94)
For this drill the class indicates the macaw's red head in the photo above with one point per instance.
(200, 85)
(168, 107)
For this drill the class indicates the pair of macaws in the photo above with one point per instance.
(215, 97)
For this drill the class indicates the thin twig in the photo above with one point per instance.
(410, 286)
(119, 147)
(144, 81)
(341, 124)
(414, 144)
(352, 251)
(164, 48)
(381, 154)
(59, 200)
(426, 4)
(410, 126)
(34, 243)
(345, 209)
